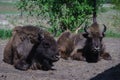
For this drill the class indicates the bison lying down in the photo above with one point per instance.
(31, 48)
(87, 46)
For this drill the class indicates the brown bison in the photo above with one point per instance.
(31, 48)
(84, 46)
(65, 44)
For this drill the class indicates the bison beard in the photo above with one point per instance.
(90, 56)
(31, 48)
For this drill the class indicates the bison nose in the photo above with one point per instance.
(56, 58)
(97, 48)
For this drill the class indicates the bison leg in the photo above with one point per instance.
(8, 54)
(21, 55)
(106, 56)
(46, 65)
(35, 65)
(20, 62)
(63, 54)
(22, 65)
(77, 55)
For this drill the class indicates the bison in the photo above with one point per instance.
(94, 48)
(65, 45)
(68, 45)
(87, 46)
(31, 48)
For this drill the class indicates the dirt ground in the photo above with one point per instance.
(69, 69)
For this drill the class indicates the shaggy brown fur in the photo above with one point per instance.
(87, 45)
(25, 43)
(68, 44)
(65, 44)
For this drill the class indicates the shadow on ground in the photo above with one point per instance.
(110, 74)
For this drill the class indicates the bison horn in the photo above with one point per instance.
(40, 36)
(105, 28)
(85, 28)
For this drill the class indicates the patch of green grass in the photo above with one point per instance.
(4, 33)
(112, 34)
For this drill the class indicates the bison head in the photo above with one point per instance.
(47, 52)
(94, 37)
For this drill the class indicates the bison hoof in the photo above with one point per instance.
(46, 69)
(8, 61)
(78, 57)
(106, 56)
(22, 66)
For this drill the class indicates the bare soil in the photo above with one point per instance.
(69, 69)
(65, 69)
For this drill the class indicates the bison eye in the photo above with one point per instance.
(46, 45)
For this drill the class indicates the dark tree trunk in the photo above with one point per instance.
(94, 11)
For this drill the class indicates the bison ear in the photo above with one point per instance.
(104, 30)
(40, 37)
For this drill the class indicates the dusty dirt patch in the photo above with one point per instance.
(69, 69)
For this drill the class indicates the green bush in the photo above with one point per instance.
(117, 3)
(63, 14)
